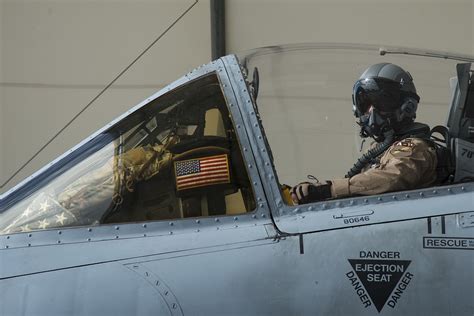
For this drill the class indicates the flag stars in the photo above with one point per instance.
(43, 224)
(44, 206)
(26, 213)
(25, 228)
(60, 218)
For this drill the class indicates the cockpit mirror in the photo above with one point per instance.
(255, 83)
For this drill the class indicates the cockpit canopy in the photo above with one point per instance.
(175, 157)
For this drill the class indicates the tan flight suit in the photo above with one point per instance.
(408, 164)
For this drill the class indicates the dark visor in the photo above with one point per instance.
(382, 94)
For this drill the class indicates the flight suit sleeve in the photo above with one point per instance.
(408, 164)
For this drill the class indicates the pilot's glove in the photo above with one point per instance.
(307, 192)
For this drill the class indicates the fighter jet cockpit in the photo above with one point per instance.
(175, 157)
(178, 155)
(311, 102)
(193, 191)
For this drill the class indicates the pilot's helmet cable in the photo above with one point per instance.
(100, 93)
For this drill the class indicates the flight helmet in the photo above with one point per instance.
(384, 100)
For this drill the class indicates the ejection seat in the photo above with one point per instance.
(460, 125)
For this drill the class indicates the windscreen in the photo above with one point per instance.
(305, 102)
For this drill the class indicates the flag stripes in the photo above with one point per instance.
(202, 171)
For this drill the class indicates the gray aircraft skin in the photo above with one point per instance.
(399, 253)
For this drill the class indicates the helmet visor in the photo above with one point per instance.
(381, 94)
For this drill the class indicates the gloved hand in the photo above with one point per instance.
(307, 192)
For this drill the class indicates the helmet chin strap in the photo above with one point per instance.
(408, 109)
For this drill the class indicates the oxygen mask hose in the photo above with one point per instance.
(371, 154)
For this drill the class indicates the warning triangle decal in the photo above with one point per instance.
(379, 277)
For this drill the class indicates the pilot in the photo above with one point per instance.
(402, 158)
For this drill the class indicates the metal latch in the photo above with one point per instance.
(466, 220)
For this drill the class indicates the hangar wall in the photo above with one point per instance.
(57, 55)
(431, 24)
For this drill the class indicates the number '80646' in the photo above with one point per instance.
(354, 220)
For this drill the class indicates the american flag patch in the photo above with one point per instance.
(203, 171)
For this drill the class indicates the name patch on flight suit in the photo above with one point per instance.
(403, 148)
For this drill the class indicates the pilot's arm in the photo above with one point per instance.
(407, 164)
